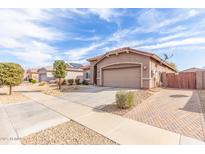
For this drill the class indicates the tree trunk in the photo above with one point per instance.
(10, 88)
(59, 83)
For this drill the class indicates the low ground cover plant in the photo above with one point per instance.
(70, 81)
(85, 82)
(77, 81)
(42, 83)
(32, 80)
(124, 100)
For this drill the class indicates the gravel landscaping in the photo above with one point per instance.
(52, 89)
(66, 133)
(140, 96)
(48, 89)
(75, 88)
(15, 97)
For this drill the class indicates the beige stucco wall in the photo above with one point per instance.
(156, 70)
(84, 74)
(74, 75)
(34, 76)
(91, 72)
(69, 75)
(49, 74)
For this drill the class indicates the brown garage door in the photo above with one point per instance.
(122, 77)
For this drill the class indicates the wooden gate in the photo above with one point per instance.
(185, 80)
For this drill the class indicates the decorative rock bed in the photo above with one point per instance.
(66, 133)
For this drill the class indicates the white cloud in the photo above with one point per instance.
(84, 38)
(29, 34)
(78, 54)
(24, 36)
(105, 14)
(18, 23)
(182, 35)
(35, 53)
(170, 44)
(154, 20)
(172, 30)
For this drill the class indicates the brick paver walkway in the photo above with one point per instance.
(175, 110)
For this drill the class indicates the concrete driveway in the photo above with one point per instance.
(93, 96)
(18, 120)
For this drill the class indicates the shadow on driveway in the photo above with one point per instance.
(193, 104)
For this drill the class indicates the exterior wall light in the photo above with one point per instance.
(144, 67)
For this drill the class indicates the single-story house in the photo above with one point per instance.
(31, 74)
(128, 68)
(74, 71)
(193, 69)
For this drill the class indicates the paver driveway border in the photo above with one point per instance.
(176, 110)
(116, 128)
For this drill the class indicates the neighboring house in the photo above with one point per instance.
(31, 74)
(194, 69)
(128, 68)
(73, 70)
(86, 73)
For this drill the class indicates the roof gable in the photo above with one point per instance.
(127, 49)
(193, 70)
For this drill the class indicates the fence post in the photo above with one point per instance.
(203, 79)
(199, 80)
(164, 79)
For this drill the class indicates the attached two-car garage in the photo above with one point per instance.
(128, 68)
(122, 75)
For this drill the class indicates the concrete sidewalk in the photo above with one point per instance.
(21, 119)
(116, 128)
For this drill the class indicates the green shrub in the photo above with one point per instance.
(85, 82)
(33, 81)
(30, 79)
(11, 74)
(70, 81)
(77, 81)
(124, 100)
(42, 83)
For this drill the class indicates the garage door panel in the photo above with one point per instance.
(123, 77)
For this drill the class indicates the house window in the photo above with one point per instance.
(152, 73)
(87, 75)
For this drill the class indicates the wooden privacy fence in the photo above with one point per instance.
(200, 80)
(185, 80)
(181, 80)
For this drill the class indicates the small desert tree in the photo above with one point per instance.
(11, 74)
(173, 65)
(59, 70)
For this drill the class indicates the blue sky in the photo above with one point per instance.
(37, 37)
